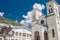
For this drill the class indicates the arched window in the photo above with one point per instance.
(36, 36)
(45, 35)
(53, 33)
(51, 10)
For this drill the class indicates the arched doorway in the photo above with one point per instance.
(36, 36)
(45, 35)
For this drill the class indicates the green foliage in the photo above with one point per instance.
(8, 21)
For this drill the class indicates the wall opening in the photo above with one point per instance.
(45, 35)
(36, 36)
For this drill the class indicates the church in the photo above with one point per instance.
(47, 27)
(44, 27)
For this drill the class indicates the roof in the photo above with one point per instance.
(53, 2)
(21, 27)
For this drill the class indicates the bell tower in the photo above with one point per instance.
(52, 7)
(53, 20)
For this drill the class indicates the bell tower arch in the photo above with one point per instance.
(52, 7)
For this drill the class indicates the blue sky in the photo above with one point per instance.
(15, 9)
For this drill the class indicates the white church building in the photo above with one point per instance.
(47, 27)
(44, 27)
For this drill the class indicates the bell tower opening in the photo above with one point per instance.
(52, 7)
(36, 36)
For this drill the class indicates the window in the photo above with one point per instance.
(27, 35)
(30, 35)
(19, 34)
(42, 21)
(16, 33)
(24, 34)
(49, 5)
(53, 33)
(12, 32)
(50, 10)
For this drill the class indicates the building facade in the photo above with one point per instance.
(47, 27)
(44, 27)
(17, 33)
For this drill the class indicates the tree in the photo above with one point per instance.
(4, 31)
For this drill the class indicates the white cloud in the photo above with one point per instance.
(16, 21)
(38, 6)
(28, 21)
(25, 16)
(43, 6)
(28, 17)
(1, 13)
(22, 22)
